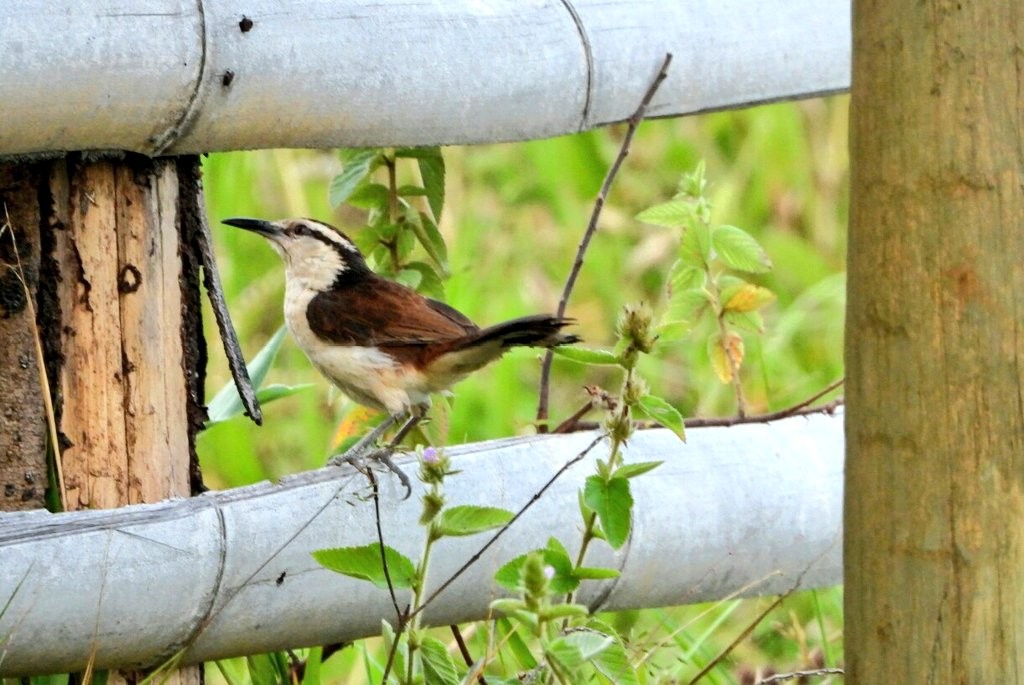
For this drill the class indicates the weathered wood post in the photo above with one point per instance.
(934, 552)
(106, 250)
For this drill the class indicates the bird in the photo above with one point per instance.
(381, 343)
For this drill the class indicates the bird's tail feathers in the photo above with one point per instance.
(539, 330)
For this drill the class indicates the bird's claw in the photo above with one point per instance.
(357, 459)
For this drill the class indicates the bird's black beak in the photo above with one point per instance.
(267, 228)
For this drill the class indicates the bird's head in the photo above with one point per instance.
(316, 255)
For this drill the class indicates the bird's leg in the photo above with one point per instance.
(365, 442)
(383, 455)
(363, 448)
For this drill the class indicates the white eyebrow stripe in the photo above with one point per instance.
(338, 237)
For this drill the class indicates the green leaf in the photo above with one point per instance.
(432, 172)
(669, 214)
(687, 306)
(555, 555)
(507, 634)
(469, 520)
(563, 610)
(739, 250)
(401, 651)
(438, 667)
(370, 196)
(683, 276)
(613, 663)
(411, 191)
(596, 573)
(586, 355)
(693, 184)
(564, 654)
(613, 503)
(660, 411)
(267, 669)
(227, 403)
(431, 240)
(745, 321)
(638, 468)
(590, 643)
(430, 282)
(409, 277)
(356, 164)
(364, 563)
(695, 246)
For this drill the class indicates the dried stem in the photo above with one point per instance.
(214, 290)
(634, 122)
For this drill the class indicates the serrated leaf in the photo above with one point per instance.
(613, 503)
(746, 321)
(668, 214)
(739, 250)
(637, 468)
(364, 563)
(687, 306)
(586, 355)
(469, 519)
(683, 276)
(510, 573)
(356, 164)
(748, 297)
(565, 580)
(438, 667)
(695, 246)
(227, 403)
(660, 411)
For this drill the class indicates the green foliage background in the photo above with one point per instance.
(514, 215)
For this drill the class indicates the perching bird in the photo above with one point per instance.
(383, 344)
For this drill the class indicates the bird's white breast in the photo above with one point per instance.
(366, 374)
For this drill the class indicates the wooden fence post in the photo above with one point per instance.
(110, 240)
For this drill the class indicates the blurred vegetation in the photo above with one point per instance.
(513, 217)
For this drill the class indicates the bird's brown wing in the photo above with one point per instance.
(376, 312)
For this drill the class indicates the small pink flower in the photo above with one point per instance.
(430, 456)
(549, 572)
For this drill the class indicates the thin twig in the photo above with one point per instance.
(375, 495)
(215, 291)
(726, 421)
(782, 677)
(569, 425)
(634, 122)
(799, 409)
(494, 538)
(464, 651)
